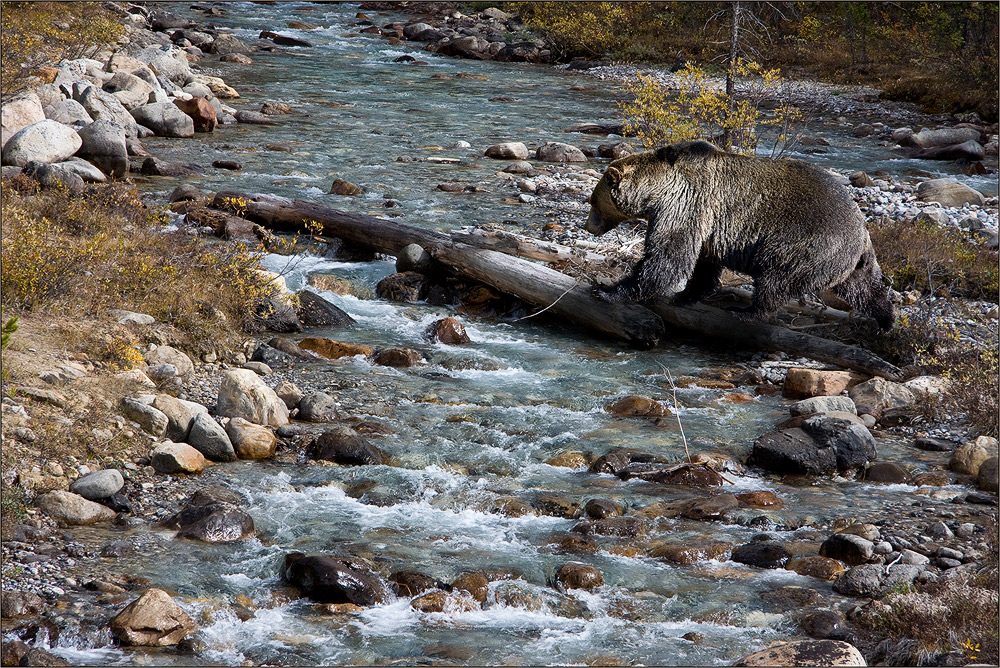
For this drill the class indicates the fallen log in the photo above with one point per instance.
(547, 288)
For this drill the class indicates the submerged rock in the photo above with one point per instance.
(578, 576)
(636, 406)
(314, 311)
(806, 653)
(153, 619)
(330, 579)
(345, 446)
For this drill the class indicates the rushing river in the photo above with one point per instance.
(474, 425)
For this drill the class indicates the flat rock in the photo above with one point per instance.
(98, 485)
(169, 458)
(73, 509)
(331, 349)
(823, 404)
(806, 653)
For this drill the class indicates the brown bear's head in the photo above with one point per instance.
(604, 213)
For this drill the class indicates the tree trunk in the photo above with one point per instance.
(734, 43)
(551, 290)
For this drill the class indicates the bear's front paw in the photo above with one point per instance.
(608, 295)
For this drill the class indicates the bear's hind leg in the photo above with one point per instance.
(768, 296)
(703, 282)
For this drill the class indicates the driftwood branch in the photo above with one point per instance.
(537, 284)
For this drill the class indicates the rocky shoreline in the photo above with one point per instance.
(188, 412)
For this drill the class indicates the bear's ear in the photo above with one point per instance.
(613, 174)
(667, 154)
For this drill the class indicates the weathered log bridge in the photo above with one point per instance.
(501, 262)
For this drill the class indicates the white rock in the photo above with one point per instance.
(45, 141)
(243, 394)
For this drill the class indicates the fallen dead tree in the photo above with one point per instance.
(552, 291)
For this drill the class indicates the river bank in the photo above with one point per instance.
(492, 473)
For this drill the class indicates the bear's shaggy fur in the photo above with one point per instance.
(786, 223)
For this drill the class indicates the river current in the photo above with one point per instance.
(478, 422)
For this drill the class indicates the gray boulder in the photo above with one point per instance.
(514, 150)
(67, 112)
(940, 137)
(345, 446)
(98, 485)
(871, 580)
(210, 439)
(558, 152)
(970, 150)
(54, 176)
(45, 141)
(823, 405)
(130, 90)
(168, 62)
(164, 119)
(152, 420)
(103, 106)
(852, 550)
(86, 171)
(73, 509)
(413, 257)
(180, 415)
(948, 192)
(170, 355)
(103, 143)
(317, 407)
(226, 44)
(18, 113)
(823, 445)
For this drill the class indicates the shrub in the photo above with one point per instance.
(84, 255)
(585, 28)
(700, 110)
(33, 34)
(919, 255)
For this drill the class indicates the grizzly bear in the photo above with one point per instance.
(786, 223)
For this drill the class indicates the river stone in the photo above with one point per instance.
(211, 439)
(850, 549)
(970, 151)
(45, 141)
(692, 475)
(289, 393)
(824, 624)
(601, 508)
(36, 656)
(98, 485)
(17, 603)
(201, 112)
(948, 192)
(557, 506)
(889, 473)
(168, 355)
(258, 368)
(152, 420)
(468, 46)
(225, 44)
(823, 445)
(507, 151)
(687, 553)
(167, 62)
(928, 387)
(331, 349)
(823, 404)
(823, 568)
(573, 459)
(879, 395)
(557, 152)
(345, 446)
(407, 286)
(413, 257)
(317, 407)
(314, 311)
(475, 583)
(273, 358)
(244, 395)
(710, 507)
(253, 118)
(397, 357)
(987, 478)
(103, 106)
(251, 441)
(86, 171)
(130, 90)
(152, 620)
(579, 576)
(411, 583)
(67, 112)
(164, 119)
(437, 600)
(18, 113)
(941, 137)
(168, 458)
(871, 581)
(511, 506)
(330, 579)
(180, 414)
(636, 406)
(155, 167)
(806, 653)
(767, 554)
(220, 523)
(73, 509)
(449, 331)
(54, 177)
(622, 527)
(969, 457)
(806, 383)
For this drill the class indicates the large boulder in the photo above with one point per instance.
(152, 420)
(103, 143)
(879, 395)
(872, 581)
(469, 46)
(558, 152)
(224, 45)
(85, 170)
(806, 653)
(940, 137)
(251, 441)
(18, 113)
(332, 349)
(73, 509)
(212, 515)
(104, 106)
(523, 52)
(54, 177)
(317, 407)
(971, 151)
(98, 485)
(968, 458)
(201, 111)
(168, 62)
(314, 311)
(153, 620)
(852, 550)
(210, 439)
(243, 394)
(987, 476)
(330, 579)
(507, 151)
(948, 192)
(164, 119)
(67, 112)
(406, 286)
(169, 458)
(44, 141)
(806, 383)
(823, 445)
(130, 90)
(180, 414)
(345, 446)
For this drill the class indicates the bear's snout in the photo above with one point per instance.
(594, 223)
